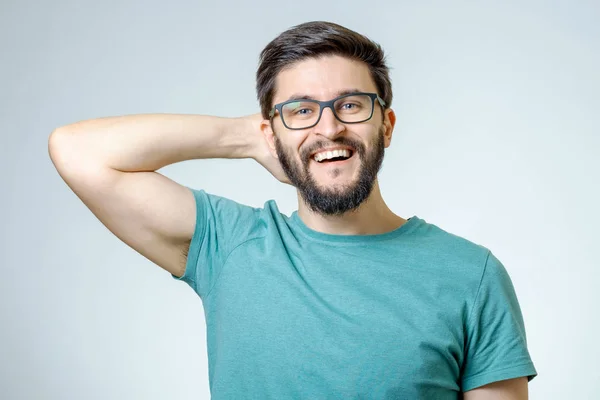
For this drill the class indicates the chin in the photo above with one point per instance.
(336, 187)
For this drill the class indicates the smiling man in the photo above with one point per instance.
(343, 299)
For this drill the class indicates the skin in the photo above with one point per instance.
(324, 78)
(510, 389)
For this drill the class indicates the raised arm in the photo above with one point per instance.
(111, 163)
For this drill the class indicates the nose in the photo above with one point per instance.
(329, 126)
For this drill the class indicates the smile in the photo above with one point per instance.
(333, 156)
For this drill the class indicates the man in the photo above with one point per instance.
(342, 300)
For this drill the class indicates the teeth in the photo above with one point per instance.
(326, 155)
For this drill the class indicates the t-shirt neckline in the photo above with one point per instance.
(409, 225)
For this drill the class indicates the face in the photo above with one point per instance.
(330, 187)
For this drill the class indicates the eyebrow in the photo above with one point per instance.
(302, 96)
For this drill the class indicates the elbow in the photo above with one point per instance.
(69, 153)
(74, 156)
(59, 145)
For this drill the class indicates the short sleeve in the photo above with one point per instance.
(496, 344)
(221, 225)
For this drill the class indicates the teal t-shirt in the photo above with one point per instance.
(292, 313)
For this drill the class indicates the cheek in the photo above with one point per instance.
(289, 149)
(292, 147)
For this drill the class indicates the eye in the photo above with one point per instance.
(349, 106)
(302, 111)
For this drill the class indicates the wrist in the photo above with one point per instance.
(248, 136)
(233, 138)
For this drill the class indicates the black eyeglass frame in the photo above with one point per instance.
(323, 105)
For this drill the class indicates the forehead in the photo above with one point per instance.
(323, 78)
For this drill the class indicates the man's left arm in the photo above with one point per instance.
(510, 389)
(497, 362)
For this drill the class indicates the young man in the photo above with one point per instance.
(344, 299)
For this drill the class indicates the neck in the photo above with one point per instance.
(372, 217)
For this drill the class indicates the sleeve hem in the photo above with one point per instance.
(195, 242)
(516, 371)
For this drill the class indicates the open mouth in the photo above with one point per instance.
(333, 157)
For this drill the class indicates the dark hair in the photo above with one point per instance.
(312, 40)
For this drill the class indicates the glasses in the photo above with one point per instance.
(350, 108)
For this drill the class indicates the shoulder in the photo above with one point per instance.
(464, 254)
(233, 219)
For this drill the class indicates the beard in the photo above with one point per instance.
(338, 199)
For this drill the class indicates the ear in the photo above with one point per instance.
(269, 135)
(389, 120)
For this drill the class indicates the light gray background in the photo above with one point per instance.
(497, 140)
